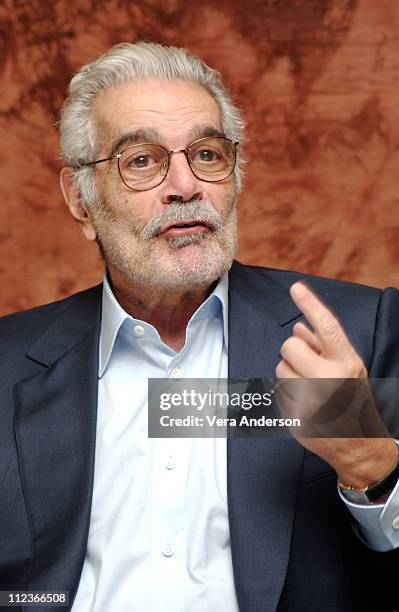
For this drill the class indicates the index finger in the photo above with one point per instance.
(326, 326)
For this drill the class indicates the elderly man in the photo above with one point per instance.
(90, 504)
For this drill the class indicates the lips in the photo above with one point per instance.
(185, 227)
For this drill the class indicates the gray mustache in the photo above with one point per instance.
(176, 213)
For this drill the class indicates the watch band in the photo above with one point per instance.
(368, 495)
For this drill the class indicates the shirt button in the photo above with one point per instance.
(395, 522)
(176, 373)
(170, 464)
(168, 550)
(138, 330)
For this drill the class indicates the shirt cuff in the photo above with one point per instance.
(377, 524)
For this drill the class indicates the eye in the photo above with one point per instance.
(141, 158)
(207, 155)
(140, 161)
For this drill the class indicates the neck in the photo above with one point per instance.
(168, 311)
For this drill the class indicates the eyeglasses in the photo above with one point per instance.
(145, 166)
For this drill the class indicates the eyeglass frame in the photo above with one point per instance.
(169, 154)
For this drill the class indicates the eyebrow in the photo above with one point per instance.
(140, 135)
(148, 134)
(205, 131)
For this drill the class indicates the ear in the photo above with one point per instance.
(77, 208)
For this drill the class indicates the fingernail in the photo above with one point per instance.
(299, 288)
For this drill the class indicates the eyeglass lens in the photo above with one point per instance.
(144, 166)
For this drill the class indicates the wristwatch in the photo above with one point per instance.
(368, 495)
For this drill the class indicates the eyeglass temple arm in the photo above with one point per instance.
(93, 163)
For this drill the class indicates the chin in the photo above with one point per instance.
(187, 278)
(194, 270)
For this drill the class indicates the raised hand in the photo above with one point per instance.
(323, 382)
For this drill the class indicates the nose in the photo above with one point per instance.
(180, 183)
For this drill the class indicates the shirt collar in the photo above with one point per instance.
(113, 316)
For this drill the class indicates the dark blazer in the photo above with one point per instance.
(293, 547)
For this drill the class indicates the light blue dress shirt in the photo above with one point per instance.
(159, 536)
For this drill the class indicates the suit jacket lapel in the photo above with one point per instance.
(263, 474)
(55, 434)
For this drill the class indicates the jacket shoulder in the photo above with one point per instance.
(285, 278)
(348, 300)
(27, 325)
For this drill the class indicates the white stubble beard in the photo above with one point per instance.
(175, 264)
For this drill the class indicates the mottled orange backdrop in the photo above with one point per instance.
(317, 80)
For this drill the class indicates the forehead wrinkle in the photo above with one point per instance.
(162, 105)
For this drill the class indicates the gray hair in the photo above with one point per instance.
(127, 62)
